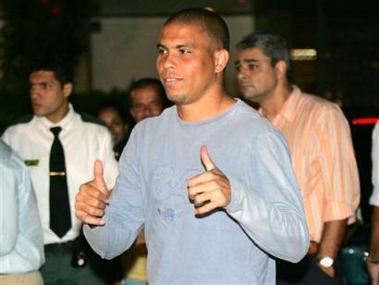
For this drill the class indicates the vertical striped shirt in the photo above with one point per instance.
(323, 158)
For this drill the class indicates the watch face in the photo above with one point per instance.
(326, 261)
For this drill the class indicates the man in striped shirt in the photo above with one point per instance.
(322, 153)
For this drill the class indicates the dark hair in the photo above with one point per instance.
(115, 106)
(212, 23)
(271, 45)
(59, 64)
(147, 82)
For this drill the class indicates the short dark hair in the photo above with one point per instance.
(273, 46)
(109, 104)
(212, 23)
(60, 64)
(147, 82)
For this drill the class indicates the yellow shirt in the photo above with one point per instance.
(134, 261)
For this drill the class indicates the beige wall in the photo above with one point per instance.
(125, 49)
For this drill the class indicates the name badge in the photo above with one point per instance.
(32, 162)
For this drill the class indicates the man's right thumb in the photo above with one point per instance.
(99, 179)
(98, 169)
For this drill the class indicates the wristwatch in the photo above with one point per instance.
(369, 259)
(325, 261)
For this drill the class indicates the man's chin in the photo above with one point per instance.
(38, 113)
(177, 99)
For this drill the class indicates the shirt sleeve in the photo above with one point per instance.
(374, 199)
(31, 232)
(342, 189)
(8, 209)
(109, 162)
(270, 209)
(122, 224)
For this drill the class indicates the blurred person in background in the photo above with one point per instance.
(116, 120)
(147, 98)
(322, 154)
(372, 256)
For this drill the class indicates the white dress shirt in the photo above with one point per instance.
(83, 143)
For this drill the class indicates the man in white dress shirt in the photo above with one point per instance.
(83, 142)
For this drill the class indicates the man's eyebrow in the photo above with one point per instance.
(176, 47)
(246, 60)
(39, 82)
(250, 60)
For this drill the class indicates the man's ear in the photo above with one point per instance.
(67, 89)
(221, 58)
(281, 69)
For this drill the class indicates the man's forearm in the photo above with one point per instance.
(372, 260)
(332, 237)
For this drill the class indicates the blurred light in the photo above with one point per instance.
(303, 54)
(43, 2)
(365, 121)
(56, 11)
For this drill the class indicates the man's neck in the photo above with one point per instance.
(272, 107)
(59, 115)
(206, 108)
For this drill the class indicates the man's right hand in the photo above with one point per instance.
(92, 198)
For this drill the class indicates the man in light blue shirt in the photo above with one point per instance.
(21, 237)
(210, 179)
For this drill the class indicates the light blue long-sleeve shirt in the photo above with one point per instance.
(233, 245)
(21, 236)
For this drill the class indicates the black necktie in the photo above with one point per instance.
(60, 218)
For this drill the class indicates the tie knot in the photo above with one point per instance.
(56, 131)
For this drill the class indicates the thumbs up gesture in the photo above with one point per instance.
(92, 198)
(210, 189)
